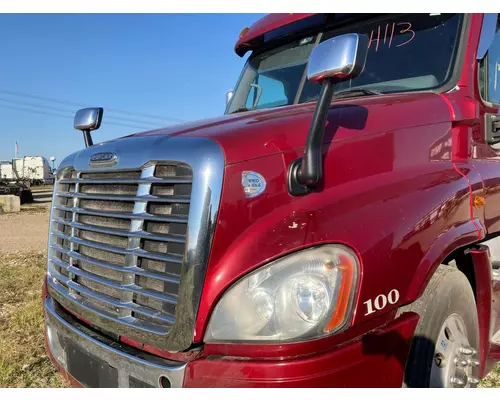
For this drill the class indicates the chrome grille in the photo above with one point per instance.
(118, 242)
(148, 288)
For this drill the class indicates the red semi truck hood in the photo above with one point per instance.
(257, 134)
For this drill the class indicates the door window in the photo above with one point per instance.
(489, 70)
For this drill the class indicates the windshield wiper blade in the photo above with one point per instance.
(356, 92)
(242, 109)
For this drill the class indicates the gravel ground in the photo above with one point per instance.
(27, 230)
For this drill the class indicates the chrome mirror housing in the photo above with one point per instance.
(340, 58)
(87, 120)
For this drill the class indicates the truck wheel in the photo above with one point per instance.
(26, 196)
(443, 351)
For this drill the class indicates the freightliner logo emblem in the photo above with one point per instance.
(105, 158)
(253, 183)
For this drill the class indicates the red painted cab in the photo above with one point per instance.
(339, 220)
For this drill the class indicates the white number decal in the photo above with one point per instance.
(381, 301)
(393, 296)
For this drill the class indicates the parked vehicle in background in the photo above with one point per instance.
(35, 170)
(13, 183)
(338, 226)
(6, 171)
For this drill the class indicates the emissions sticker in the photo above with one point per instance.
(253, 183)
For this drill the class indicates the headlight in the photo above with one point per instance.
(301, 296)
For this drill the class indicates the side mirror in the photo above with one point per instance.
(333, 61)
(229, 96)
(87, 120)
(338, 59)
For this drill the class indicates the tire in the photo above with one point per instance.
(26, 196)
(448, 297)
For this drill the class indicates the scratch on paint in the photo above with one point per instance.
(293, 226)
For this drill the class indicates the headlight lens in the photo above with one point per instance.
(301, 296)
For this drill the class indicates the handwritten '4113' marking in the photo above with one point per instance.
(385, 35)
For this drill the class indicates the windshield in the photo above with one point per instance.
(406, 53)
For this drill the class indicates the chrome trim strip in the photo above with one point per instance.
(148, 198)
(103, 264)
(118, 250)
(95, 278)
(142, 366)
(109, 300)
(145, 216)
(206, 159)
(116, 232)
(84, 308)
(126, 181)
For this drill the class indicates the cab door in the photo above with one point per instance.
(486, 147)
(486, 139)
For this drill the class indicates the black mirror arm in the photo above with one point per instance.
(311, 169)
(87, 138)
(305, 173)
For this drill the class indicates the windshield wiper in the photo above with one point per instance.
(356, 92)
(343, 93)
(242, 109)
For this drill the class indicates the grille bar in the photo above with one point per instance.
(125, 181)
(129, 251)
(129, 287)
(106, 299)
(139, 234)
(145, 216)
(72, 245)
(133, 269)
(144, 198)
(137, 225)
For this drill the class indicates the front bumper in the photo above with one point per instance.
(377, 359)
(89, 359)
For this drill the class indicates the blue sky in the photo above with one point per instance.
(175, 66)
